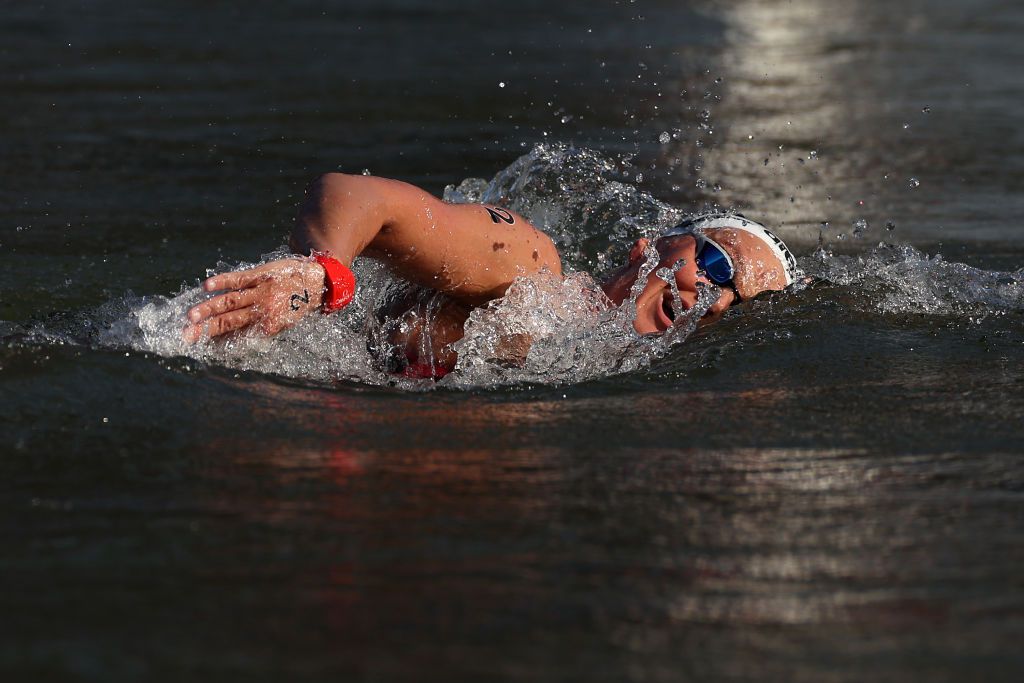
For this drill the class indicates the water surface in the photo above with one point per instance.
(827, 485)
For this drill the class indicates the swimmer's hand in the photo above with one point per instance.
(269, 298)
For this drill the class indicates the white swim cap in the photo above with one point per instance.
(699, 224)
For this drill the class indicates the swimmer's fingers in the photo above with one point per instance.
(224, 303)
(240, 279)
(275, 295)
(221, 324)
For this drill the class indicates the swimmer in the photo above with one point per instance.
(470, 253)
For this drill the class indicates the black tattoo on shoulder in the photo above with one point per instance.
(296, 298)
(499, 215)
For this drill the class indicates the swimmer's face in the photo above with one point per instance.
(654, 311)
(757, 270)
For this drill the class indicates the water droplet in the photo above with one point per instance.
(824, 225)
(716, 188)
(860, 226)
(926, 110)
(890, 226)
(906, 126)
(914, 183)
(664, 138)
(639, 177)
(813, 154)
(701, 183)
(501, 84)
(366, 171)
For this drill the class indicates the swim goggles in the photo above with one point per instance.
(715, 262)
(712, 260)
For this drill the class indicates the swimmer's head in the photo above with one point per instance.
(760, 261)
(738, 255)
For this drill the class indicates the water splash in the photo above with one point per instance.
(901, 279)
(545, 330)
(581, 199)
(585, 202)
(319, 348)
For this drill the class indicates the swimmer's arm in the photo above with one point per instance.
(471, 252)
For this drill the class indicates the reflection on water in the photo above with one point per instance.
(766, 153)
(813, 126)
(671, 533)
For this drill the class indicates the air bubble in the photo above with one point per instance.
(914, 183)
(664, 138)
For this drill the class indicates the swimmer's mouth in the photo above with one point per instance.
(666, 305)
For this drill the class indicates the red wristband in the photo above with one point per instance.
(340, 283)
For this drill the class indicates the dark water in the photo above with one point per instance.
(828, 485)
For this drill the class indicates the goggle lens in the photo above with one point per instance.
(715, 263)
